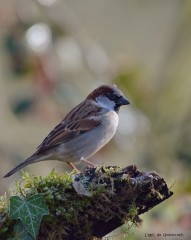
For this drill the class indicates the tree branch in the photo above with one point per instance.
(91, 204)
(129, 193)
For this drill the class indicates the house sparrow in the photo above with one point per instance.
(84, 130)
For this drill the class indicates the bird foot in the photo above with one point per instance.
(73, 167)
(89, 163)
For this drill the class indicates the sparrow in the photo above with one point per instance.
(84, 130)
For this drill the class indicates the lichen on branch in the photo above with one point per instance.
(89, 204)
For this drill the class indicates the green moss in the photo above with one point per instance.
(132, 212)
(65, 204)
(60, 196)
(6, 224)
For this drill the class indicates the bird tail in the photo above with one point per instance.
(31, 159)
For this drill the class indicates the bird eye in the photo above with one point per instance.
(111, 96)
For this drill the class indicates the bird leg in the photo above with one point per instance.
(89, 163)
(72, 166)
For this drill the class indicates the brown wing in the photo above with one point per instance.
(67, 130)
(64, 133)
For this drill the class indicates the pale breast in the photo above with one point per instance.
(90, 142)
(110, 124)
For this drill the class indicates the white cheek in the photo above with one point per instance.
(105, 102)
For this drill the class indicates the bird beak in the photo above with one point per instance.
(123, 101)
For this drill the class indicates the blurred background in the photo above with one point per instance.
(54, 52)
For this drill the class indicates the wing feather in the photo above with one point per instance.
(72, 130)
(72, 126)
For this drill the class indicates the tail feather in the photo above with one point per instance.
(29, 160)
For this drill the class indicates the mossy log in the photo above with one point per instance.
(91, 204)
(128, 193)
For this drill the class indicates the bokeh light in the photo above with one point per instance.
(47, 2)
(39, 37)
(69, 53)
